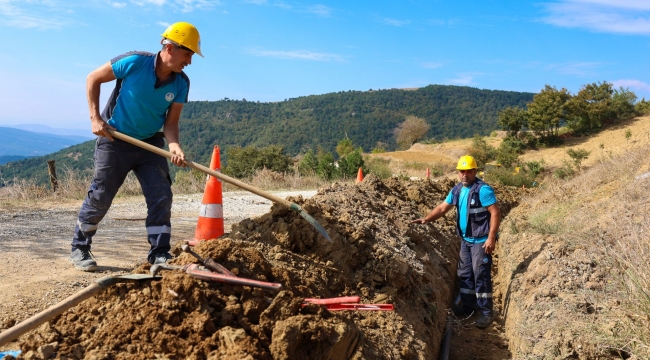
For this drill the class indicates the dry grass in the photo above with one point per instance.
(604, 211)
(73, 186)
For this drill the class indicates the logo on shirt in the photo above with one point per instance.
(169, 97)
(472, 202)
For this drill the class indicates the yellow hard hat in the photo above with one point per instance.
(466, 163)
(184, 34)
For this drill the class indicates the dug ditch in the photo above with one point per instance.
(375, 254)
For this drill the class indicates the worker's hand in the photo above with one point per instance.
(489, 245)
(101, 127)
(419, 221)
(178, 157)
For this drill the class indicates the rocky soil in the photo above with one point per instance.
(375, 254)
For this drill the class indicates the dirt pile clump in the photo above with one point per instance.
(375, 254)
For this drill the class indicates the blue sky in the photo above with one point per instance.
(271, 50)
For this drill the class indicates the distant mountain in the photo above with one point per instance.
(29, 143)
(39, 128)
(9, 158)
(366, 117)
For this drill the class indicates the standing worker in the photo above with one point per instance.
(477, 224)
(149, 95)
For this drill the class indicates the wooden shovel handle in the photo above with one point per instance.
(206, 170)
(50, 313)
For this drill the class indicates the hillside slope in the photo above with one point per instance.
(322, 120)
(573, 280)
(446, 154)
(310, 121)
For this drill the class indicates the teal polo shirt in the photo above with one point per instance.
(487, 197)
(139, 103)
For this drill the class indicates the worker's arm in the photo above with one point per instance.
(172, 134)
(94, 81)
(495, 221)
(435, 214)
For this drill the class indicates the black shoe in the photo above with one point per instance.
(161, 258)
(460, 311)
(83, 260)
(484, 321)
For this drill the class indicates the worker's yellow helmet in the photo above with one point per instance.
(466, 163)
(185, 35)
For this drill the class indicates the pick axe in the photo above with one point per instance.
(276, 199)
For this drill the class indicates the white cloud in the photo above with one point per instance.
(612, 16)
(185, 5)
(33, 14)
(256, 2)
(395, 22)
(320, 10)
(440, 22)
(116, 4)
(462, 79)
(146, 2)
(163, 24)
(632, 84)
(295, 55)
(431, 64)
(282, 5)
(626, 4)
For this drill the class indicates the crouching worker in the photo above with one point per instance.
(477, 224)
(149, 95)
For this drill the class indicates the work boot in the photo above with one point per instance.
(484, 321)
(161, 258)
(83, 260)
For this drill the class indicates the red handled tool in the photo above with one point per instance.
(346, 303)
(200, 272)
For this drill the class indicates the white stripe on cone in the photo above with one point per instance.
(213, 211)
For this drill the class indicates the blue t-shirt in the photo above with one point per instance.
(486, 194)
(139, 103)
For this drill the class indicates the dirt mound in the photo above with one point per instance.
(375, 254)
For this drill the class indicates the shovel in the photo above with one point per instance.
(278, 200)
(48, 314)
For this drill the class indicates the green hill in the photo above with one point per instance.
(317, 120)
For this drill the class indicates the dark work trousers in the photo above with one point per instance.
(474, 268)
(113, 161)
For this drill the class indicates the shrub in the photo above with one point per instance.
(481, 151)
(326, 168)
(308, 164)
(564, 172)
(578, 155)
(535, 167)
(244, 161)
(379, 167)
(507, 156)
(504, 176)
(349, 165)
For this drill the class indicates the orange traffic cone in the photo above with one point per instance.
(210, 224)
(428, 174)
(359, 176)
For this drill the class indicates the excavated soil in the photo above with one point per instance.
(375, 254)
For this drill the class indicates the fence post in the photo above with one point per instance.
(51, 169)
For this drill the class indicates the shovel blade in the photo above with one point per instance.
(315, 224)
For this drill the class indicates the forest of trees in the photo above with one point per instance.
(311, 122)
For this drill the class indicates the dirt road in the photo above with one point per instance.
(35, 244)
